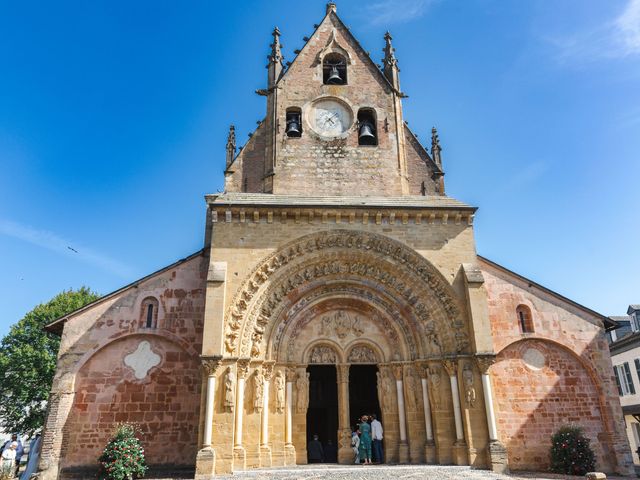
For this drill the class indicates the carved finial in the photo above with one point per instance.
(331, 7)
(390, 63)
(276, 48)
(231, 145)
(435, 147)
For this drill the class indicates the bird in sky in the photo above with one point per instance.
(72, 249)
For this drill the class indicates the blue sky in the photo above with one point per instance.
(113, 118)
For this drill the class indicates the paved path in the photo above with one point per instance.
(383, 472)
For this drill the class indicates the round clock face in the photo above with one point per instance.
(331, 118)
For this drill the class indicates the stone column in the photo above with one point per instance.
(206, 458)
(239, 453)
(459, 446)
(345, 453)
(265, 448)
(497, 453)
(403, 447)
(289, 449)
(429, 444)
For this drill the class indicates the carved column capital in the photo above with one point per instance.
(484, 362)
(291, 375)
(422, 367)
(397, 369)
(267, 370)
(243, 367)
(451, 367)
(211, 364)
(342, 370)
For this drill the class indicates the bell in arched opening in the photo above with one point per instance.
(334, 76)
(294, 127)
(366, 134)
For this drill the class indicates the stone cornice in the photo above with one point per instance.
(344, 215)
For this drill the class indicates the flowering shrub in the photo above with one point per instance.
(123, 457)
(570, 451)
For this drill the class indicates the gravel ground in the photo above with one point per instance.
(384, 472)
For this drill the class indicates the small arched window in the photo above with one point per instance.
(294, 122)
(149, 313)
(367, 130)
(334, 69)
(524, 319)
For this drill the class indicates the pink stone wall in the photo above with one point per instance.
(573, 385)
(165, 404)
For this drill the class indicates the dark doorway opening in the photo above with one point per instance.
(363, 392)
(322, 415)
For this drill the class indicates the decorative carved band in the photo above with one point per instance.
(362, 354)
(323, 354)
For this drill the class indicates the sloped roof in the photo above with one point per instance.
(57, 325)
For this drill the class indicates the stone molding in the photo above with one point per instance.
(315, 215)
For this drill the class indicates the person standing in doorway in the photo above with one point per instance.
(376, 439)
(365, 441)
(315, 452)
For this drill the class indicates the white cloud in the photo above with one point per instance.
(617, 37)
(387, 12)
(53, 242)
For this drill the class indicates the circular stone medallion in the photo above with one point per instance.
(533, 358)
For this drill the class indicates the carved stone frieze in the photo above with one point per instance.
(323, 354)
(451, 367)
(362, 354)
(267, 370)
(430, 280)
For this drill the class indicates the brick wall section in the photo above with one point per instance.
(339, 166)
(532, 404)
(417, 167)
(575, 384)
(165, 404)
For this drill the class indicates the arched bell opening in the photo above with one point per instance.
(367, 127)
(334, 69)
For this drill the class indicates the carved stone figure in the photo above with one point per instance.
(410, 390)
(280, 392)
(380, 391)
(258, 390)
(342, 322)
(435, 381)
(362, 354)
(469, 389)
(387, 392)
(229, 390)
(302, 392)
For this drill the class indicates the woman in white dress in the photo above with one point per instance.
(9, 459)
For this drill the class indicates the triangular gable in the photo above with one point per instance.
(248, 146)
(351, 39)
(56, 325)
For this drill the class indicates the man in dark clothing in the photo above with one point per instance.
(330, 452)
(315, 453)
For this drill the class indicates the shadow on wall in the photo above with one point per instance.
(541, 386)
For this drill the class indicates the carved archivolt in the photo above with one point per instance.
(265, 296)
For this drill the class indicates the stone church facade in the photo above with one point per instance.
(337, 279)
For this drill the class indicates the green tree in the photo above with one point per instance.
(28, 362)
